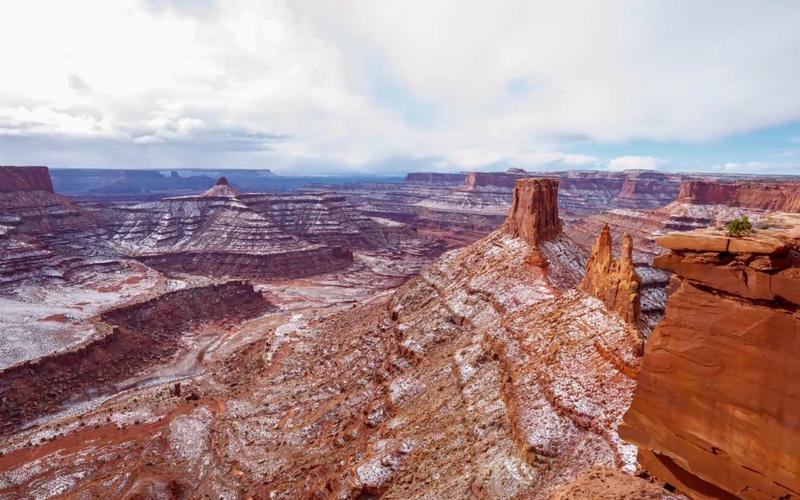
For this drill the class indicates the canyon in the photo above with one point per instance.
(492, 335)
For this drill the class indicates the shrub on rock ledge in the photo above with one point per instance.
(739, 227)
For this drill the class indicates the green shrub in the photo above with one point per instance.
(739, 227)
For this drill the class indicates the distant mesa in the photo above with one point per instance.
(17, 179)
(533, 216)
(777, 196)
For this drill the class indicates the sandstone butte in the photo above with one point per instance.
(717, 409)
(615, 282)
(775, 196)
(16, 179)
(533, 216)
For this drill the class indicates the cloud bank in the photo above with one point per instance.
(381, 86)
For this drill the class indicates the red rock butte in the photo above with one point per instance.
(717, 409)
(533, 216)
(16, 179)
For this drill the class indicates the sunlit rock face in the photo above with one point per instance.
(613, 281)
(774, 196)
(717, 408)
(533, 216)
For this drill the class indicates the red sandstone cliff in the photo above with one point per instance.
(534, 210)
(783, 197)
(615, 282)
(15, 179)
(717, 409)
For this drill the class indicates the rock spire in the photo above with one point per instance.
(615, 282)
(534, 210)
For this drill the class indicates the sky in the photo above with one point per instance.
(334, 87)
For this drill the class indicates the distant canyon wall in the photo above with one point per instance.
(775, 196)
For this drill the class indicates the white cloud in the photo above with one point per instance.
(757, 167)
(636, 163)
(354, 84)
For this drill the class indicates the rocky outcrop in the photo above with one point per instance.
(18, 179)
(533, 216)
(613, 281)
(773, 196)
(41, 233)
(717, 409)
(136, 337)
(221, 189)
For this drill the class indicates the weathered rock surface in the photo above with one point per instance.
(43, 235)
(247, 234)
(773, 196)
(533, 216)
(717, 411)
(613, 281)
(18, 179)
(135, 337)
(485, 376)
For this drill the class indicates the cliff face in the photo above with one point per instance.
(18, 179)
(41, 233)
(500, 179)
(615, 282)
(782, 197)
(717, 409)
(533, 216)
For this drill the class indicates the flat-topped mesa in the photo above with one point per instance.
(615, 282)
(774, 196)
(533, 216)
(475, 180)
(16, 179)
(717, 408)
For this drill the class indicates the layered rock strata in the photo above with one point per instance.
(42, 234)
(485, 376)
(772, 196)
(613, 281)
(18, 179)
(717, 410)
(224, 232)
(135, 337)
(533, 216)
